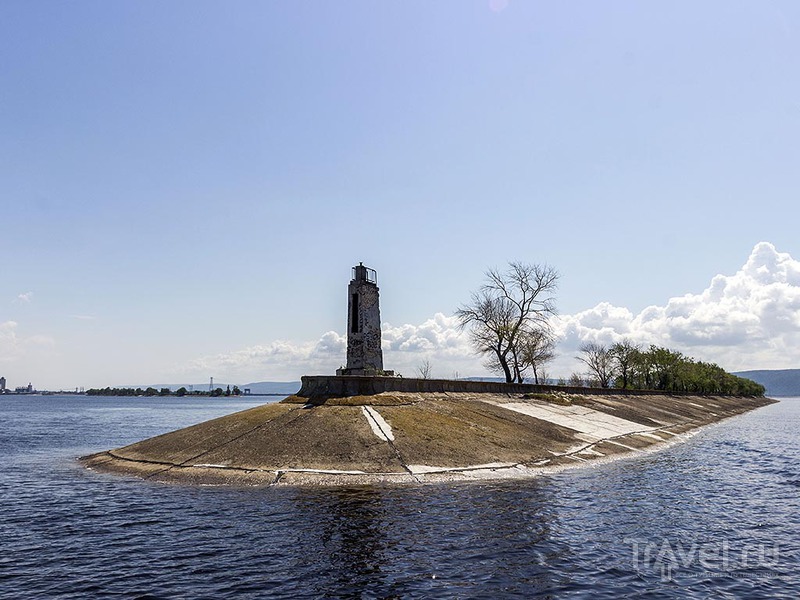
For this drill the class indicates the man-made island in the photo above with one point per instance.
(365, 425)
(353, 430)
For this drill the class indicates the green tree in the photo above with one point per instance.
(664, 365)
(624, 355)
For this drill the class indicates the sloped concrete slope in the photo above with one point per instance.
(415, 437)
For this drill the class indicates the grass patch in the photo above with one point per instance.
(554, 398)
(374, 400)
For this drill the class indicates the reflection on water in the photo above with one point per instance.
(344, 535)
(597, 532)
(381, 540)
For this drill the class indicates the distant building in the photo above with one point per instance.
(364, 354)
(2, 385)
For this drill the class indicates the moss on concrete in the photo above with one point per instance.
(397, 437)
(382, 399)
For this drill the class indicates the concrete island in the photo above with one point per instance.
(365, 425)
(468, 430)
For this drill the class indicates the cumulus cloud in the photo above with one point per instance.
(14, 346)
(25, 298)
(438, 340)
(280, 359)
(750, 319)
(404, 348)
(8, 340)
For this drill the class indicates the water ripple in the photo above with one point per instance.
(682, 523)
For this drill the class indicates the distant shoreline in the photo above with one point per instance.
(172, 395)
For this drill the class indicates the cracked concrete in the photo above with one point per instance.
(415, 437)
(379, 426)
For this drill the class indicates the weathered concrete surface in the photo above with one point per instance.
(415, 437)
(318, 386)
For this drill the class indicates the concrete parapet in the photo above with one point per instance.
(353, 385)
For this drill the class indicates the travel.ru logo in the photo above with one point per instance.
(671, 559)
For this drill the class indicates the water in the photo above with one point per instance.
(715, 516)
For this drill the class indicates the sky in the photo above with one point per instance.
(185, 185)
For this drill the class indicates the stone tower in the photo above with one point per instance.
(364, 355)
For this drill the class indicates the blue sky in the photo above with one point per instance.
(185, 185)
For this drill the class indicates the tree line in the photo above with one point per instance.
(627, 366)
(150, 391)
(509, 322)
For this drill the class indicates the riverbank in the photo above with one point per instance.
(405, 437)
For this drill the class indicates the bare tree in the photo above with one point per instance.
(508, 309)
(542, 376)
(600, 362)
(536, 348)
(576, 380)
(424, 370)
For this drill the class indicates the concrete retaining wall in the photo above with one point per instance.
(350, 385)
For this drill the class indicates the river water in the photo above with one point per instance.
(715, 515)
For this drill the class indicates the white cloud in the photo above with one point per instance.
(438, 339)
(747, 320)
(25, 298)
(277, 360)
(404, 348)
(8, 340)
(13, 347)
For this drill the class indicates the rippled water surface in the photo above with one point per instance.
(714, 516)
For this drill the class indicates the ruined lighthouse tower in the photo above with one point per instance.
(364, 355)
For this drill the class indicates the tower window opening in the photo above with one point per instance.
(354, 314)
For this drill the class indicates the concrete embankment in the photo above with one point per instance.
(408, 436)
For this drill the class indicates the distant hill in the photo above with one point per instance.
(281, 388)
(779, 382)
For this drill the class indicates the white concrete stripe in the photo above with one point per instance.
(587, 421)
(621, 445)
(591, 452)
(378, 424)
(327, 471)
(423, 469)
